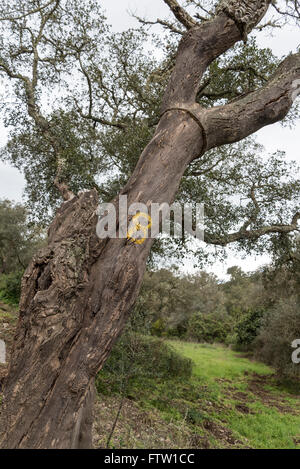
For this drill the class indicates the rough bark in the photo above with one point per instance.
(77, 292)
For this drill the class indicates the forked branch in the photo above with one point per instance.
(206, 41)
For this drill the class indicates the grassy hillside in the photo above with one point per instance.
(246, 397)
(229, 402)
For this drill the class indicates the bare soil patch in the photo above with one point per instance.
(257, 385)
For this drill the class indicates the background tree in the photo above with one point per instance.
(19, 240)
(77, 292)
(167, 300)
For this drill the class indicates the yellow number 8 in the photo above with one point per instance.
(137, 226)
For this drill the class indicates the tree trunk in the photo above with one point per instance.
(76, 296)
(78, 291)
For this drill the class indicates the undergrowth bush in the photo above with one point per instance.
(280, 327)
(213, 327)
(10, 287)
(247, 329)
(138, 357)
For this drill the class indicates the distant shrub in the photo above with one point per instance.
(280, 328)
(158, 328)
(247, 328)
(179, 331)
(231, 339)
(213, 327)
(10, 287)
(136, 356)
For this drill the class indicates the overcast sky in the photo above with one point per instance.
(273, 137)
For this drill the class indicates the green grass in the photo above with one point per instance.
(230, 401)
(274, 418)
(211, 361)
(8, 317)
(267, 428)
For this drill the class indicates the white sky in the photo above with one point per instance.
(273, 137)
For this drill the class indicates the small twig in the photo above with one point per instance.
(115, 422)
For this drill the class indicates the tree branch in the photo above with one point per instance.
(243, 117)
(181, 15)
(244, 234)
(30, 85)
(163, 23)
(245, 13)
(28, 13)
(206, 42)
(292, 12)
(99, 120)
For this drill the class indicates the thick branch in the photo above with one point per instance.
(204, 43)
(270, 104)
(181, 15)
(245, 13)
